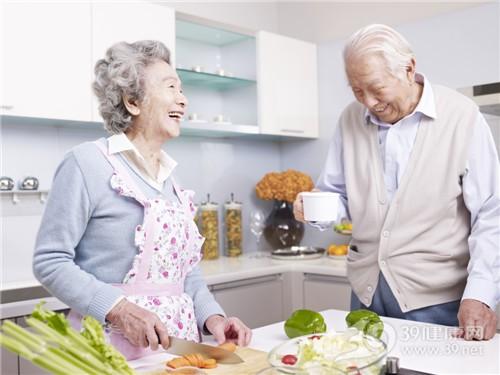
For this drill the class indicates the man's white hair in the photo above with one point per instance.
(383, 41)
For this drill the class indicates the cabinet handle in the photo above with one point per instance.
(293, 131)
(327, 278)
(7, 107)
(245, 282)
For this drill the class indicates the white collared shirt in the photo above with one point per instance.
(119, 143)
(396, 140)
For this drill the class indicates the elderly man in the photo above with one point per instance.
(417, 170)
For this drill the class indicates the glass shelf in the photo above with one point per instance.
(212, 81)
(207, 34)
(215, 129)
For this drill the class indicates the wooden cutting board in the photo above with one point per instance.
(255, 360)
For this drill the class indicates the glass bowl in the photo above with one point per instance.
(350, 358)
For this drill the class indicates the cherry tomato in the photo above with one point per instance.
(353, 370)
(314, 337)
(289, 359)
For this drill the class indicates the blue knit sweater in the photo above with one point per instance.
(86, 238)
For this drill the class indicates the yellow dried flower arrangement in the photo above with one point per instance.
(283, 186)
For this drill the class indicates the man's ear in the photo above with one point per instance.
(410, 71)
(131, 105)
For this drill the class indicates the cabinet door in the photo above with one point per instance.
(257, 301)
(8, 361)
(287, 86)
(114, 22)
(46, 55)
(326, 292)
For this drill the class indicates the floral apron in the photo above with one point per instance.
(169, 248)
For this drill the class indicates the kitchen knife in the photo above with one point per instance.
(181, 347)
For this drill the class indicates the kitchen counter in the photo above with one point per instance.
(419, 346)
(18, 298)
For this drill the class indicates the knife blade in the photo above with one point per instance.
(181, 347)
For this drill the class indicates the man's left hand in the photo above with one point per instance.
(477, 321)
(228, 329)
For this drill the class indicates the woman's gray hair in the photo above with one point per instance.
(120, 73)
(383, 41)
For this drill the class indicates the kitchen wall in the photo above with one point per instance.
(222, 166)
(458, 49)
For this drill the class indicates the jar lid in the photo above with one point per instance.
(207, 205)
(232, 204)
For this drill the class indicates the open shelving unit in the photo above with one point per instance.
(217, 66)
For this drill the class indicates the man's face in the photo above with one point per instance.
(388, 97)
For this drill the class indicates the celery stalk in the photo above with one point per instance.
(82, 366)
(55, 346)
(28, 339)
(15, 346)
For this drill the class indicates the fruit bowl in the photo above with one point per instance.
(349, 352)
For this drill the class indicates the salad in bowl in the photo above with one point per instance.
(348, 352)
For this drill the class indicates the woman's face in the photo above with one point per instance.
(164, 104)
(387, 97)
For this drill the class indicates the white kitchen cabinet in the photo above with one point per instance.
(287, 86)
(323, 292)
(8, 361)
(256, 301)
(46, 60)
(114, 22)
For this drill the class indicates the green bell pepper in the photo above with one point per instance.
(366, 321)
(304, 322)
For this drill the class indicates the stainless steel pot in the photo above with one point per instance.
(6, 183)
(29, 183)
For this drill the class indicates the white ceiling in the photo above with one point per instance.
(321, 21)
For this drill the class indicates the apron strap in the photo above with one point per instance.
(151, 228)
(124, 173)
(149, 221)
(152, 289)
(182, 198)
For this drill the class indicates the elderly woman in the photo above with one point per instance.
(417, 170)
(117, 240)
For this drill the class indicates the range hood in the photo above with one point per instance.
(487, 97)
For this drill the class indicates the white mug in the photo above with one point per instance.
(320, 205)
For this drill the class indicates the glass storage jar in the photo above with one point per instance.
(233, 228)
(209, 228)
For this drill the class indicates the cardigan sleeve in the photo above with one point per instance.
(67, 213)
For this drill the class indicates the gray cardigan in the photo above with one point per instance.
(86, 238)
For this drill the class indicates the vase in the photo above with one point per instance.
(280, 228)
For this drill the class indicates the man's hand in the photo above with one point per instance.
(228, 329)
(298, 208)
(477, 321)
(139, 326)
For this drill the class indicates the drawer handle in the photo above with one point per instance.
(293, 131)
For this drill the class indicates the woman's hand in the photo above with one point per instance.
(228, 329)
(139, 326)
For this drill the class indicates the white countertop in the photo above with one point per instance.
(419, 346)
(217, 271)
(227, 269)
